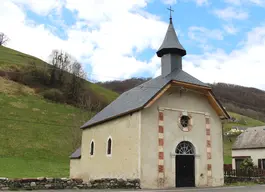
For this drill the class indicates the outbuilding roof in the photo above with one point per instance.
(76, 154)
(252, 138)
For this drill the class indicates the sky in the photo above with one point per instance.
(118, 39)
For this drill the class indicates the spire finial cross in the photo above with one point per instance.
(170, 10)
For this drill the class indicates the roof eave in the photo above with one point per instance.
(111, 118)
(75, 157)
(226, 115)
(163, 51)
(192, 84)
(247, 148)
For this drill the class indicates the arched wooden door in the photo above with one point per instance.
(185, 165)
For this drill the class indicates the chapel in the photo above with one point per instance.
(166, 132)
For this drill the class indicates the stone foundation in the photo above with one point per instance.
(65, 183)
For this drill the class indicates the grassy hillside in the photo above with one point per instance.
(243, 121)
(12, 60)
(36, 136)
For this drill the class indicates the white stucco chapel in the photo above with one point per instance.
(166, 132)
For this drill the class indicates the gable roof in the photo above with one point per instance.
(138, 97)
(252, 138)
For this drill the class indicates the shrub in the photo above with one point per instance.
(247, 166)
(54, 95)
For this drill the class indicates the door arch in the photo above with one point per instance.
(185, 164)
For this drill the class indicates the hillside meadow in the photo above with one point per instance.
(36, 136)
(243, 121)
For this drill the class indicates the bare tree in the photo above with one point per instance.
(3, 39)
(61, 64)
(77, 81)
(64, 64)
(54, 62)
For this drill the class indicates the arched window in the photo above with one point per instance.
(92, 146)
(109, 147)
(185, 148)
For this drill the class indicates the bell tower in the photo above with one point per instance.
(171, 51)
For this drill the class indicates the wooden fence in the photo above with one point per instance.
(239, 173)
(227, 166)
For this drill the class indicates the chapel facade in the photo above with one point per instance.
(167, 132)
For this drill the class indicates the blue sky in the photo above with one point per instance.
(118, 39)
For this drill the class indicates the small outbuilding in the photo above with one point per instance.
(249, 144)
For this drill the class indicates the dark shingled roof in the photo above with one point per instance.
(76, 154)
(137, 97)
(171, 43)
(252, 138)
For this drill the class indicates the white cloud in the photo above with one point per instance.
(231, 13)
(198, 2)
(108, 45)
(230, 29)
(246, 2)
(202, 34)
(234, 2)
(169, 2)
(202, 2)
(95, 12)
(244, 66)
(43, 7)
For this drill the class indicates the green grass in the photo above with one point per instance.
(16, 167)
(36, 135)
(11, 59)
(241, 184)
(249, 122)
(228, 142)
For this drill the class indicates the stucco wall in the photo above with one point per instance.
(124, 161)
(75, 169)
(255, 154)
(189, 101)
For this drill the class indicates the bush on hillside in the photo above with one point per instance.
(54, 95)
